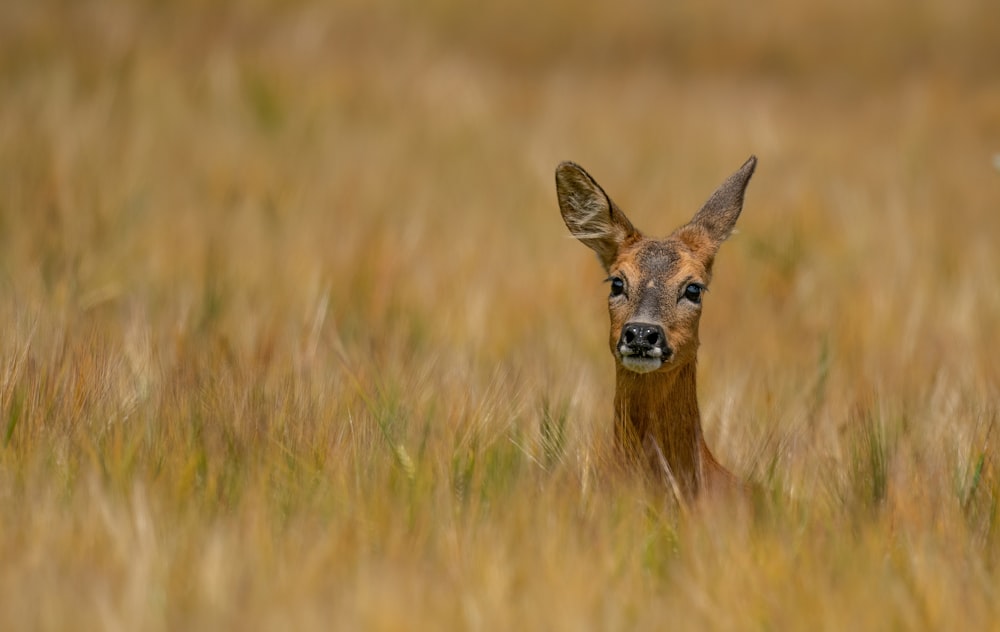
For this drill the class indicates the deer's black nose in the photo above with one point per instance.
(645, 340)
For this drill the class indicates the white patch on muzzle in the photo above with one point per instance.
(641, 364)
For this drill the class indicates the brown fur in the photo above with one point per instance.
(657, 421)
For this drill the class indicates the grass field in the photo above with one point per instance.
(293, 337)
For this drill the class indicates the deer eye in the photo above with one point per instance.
(693, 293)
(617, 286)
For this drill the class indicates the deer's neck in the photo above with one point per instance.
(657, 413)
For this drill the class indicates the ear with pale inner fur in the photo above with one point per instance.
(590, 214)
(719, 214)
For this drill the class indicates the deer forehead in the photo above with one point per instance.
(652, 264)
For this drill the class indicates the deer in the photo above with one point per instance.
(655, 302)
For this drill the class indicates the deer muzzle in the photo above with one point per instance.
(643, 347)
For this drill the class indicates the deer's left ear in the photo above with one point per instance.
(718, 216)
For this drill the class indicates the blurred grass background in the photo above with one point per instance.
(293, 336)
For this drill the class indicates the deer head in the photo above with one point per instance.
(657, 285)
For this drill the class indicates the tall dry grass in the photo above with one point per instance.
(293, 336)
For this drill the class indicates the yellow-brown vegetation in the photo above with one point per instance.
(292, 335)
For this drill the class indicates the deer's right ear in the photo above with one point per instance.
(590, 214)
